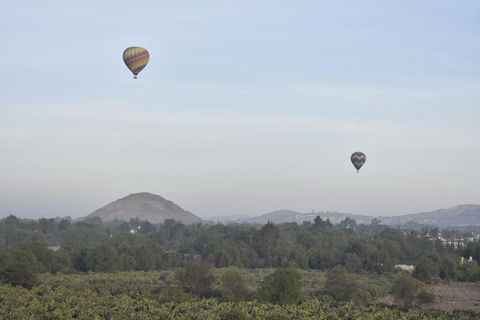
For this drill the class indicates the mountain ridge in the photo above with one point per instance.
(459, 215)
(156, 209)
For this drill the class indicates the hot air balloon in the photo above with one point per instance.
(358, 159)
(136, 58)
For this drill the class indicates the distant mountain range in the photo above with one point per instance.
(461, 215)
(144, 206)
(154, 208)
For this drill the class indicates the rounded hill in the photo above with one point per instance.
(144, 206)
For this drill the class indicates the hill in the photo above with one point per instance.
(144, 206)
(282, 216)
(461, 215)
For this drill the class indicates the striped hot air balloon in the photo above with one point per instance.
(136, 58)
(358, 159)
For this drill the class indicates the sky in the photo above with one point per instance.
(246, 107)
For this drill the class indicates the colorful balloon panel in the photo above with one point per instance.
(136, 58)
(358, 159)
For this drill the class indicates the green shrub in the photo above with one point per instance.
(283, 286)
(196, 277)
(233, 286)
(425, 297)
(18, 274)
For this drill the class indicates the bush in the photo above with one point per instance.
(408, 291)
(196, 278)
(283, 286)
(425, 297)
(18, 274)
(232, 286)
(339, 284)
(468, 271)
(404, 289)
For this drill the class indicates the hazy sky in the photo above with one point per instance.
(245, 107)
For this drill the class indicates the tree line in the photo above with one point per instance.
(94, 245)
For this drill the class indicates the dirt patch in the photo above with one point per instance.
(456, 295)
(450, 296)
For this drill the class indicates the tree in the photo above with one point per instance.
(353, 263)
(124, 226)
(472, 250)
(339, 284)
(43, 255)
(12, 221)
(435, 233)
(283, 286)
(63, 261)
(145, 259)
(46, 225)
(426, 269)
(103, 258)
(147, 227)
(284, 248)
(347, 223)
(318, 223)
(158, 238)
(469, 271)
(18, 274)
(448, 267)
(88, 234)
(233, 286)
(5, 259)
(196, 277)
(27, 257)
(64, 225)
(222, 253)
(269, 235)
(405, 289)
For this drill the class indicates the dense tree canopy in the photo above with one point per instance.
(95, 245)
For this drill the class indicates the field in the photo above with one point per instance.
(450, 296)
(140, 295)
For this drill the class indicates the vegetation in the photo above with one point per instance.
(408, 290)
(139, 295)
(283, 286)
(220, 271)
(94, 245)
(233, 286)
(196, 278)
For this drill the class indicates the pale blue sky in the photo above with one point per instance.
(245, 107)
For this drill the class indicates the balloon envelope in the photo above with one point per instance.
(136, 58)
(358, 159)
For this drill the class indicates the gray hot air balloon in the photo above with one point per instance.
(358, 159)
